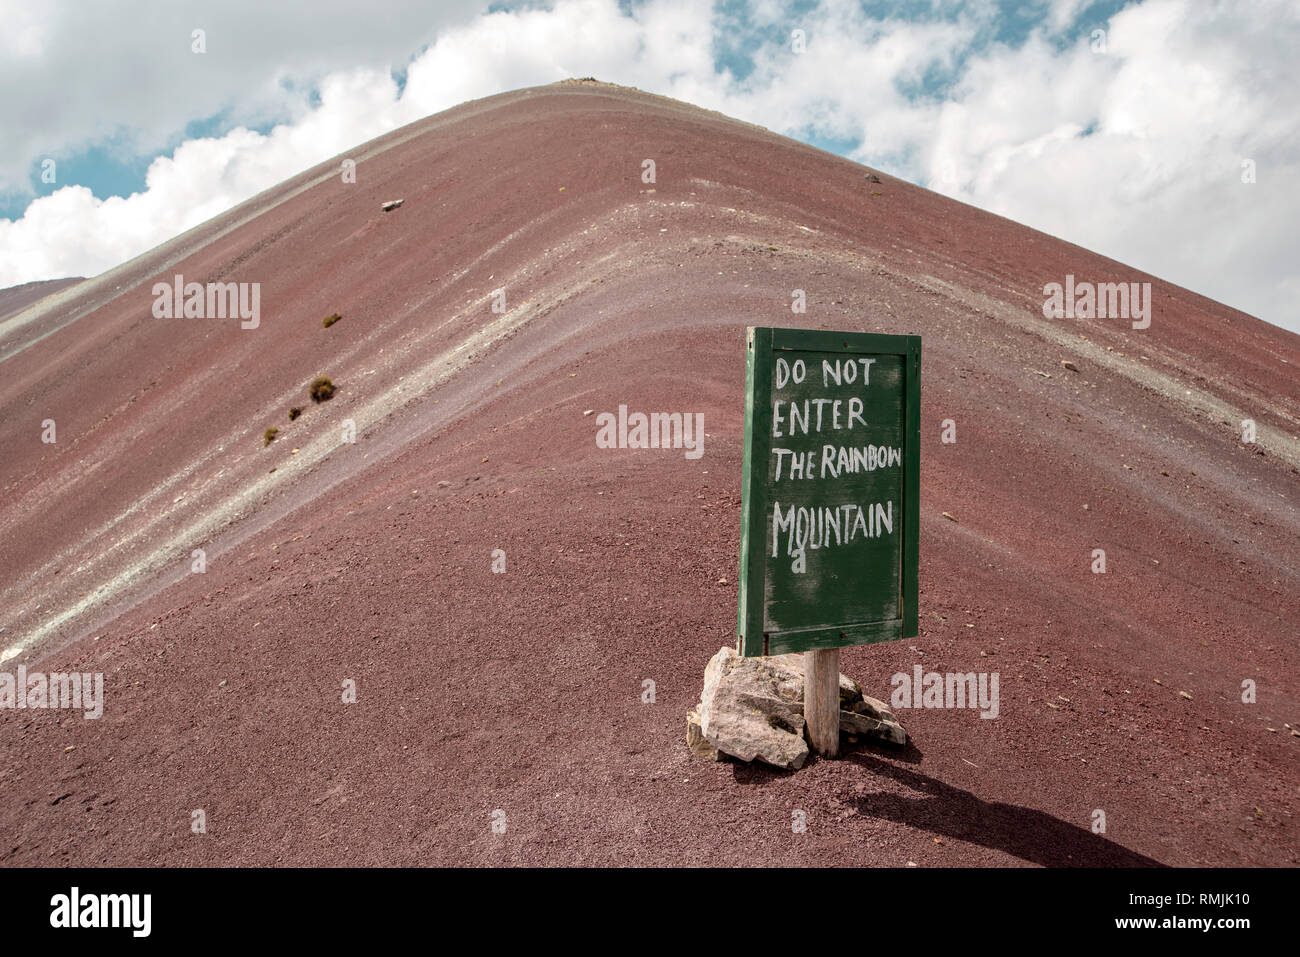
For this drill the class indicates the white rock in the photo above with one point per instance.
(748, 710)
(695, 739)
(753, 708)
(850, 691)
(874, 720)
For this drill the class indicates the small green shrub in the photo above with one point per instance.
(322, 389)
(330, 319)
(294, 413)
(269, 436)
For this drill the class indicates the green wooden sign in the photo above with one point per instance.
(830, 490)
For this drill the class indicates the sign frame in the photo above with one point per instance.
(764, 343)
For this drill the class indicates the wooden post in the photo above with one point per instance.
(821, 700)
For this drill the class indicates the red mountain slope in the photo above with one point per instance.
(328, 561)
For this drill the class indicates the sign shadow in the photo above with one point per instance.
(1032, 836)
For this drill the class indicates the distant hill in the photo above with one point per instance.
(17, 298)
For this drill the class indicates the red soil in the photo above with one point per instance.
(522, 691)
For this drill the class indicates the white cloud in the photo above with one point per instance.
(70, 232)
(76, 73)
(1183, 93)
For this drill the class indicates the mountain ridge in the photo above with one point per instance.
(327, 559)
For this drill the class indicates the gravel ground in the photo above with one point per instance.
(516, 698)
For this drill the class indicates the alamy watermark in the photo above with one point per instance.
(931, 689)
(656, 430)
(1105, 300)
(217, 300)
(130, 911)
(57, 690)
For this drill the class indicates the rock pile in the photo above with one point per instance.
(753, 708)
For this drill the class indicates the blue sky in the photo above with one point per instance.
(1128, 146)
